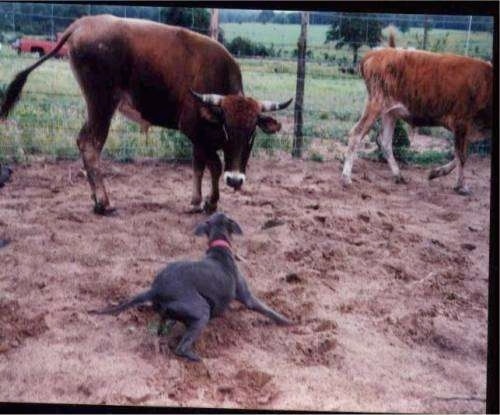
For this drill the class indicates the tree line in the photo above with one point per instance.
(36, 18)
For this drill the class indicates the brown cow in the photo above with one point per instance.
(424, 89)
(148, 69)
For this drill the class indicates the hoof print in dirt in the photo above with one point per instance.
(365, 217)
(467, 246)
(271, 223)
(293, 278)
(400, 180)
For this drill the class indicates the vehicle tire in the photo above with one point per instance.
(40, 51)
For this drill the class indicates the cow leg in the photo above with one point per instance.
(370, 114)
(461, 147)
(388, 124)
(90, 141)
(215, 166)
(199, 162)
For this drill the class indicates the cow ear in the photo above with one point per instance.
(201, 229)
(268, 124)
(234, 227)
(213, 115)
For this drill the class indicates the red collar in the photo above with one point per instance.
(220, 242)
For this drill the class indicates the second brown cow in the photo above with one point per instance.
(424, 89)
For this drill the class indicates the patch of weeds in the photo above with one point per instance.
(482, 147)
(400, 142)
(127, 150)
(429, 157)
(271, 142)
(317, 157)
(155, 329)
(175, 145)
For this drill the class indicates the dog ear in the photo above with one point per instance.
(201, 229)
(234, 227)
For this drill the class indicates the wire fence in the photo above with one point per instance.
(49, 116)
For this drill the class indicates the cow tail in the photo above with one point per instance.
(14, 89)
(360, 68)
(138, 299)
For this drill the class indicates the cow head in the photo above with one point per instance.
(238, 117)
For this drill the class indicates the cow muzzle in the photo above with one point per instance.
(234, 179)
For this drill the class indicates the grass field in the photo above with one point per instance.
(284, 36)
(52, 110)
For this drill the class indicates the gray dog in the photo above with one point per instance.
(194, 292)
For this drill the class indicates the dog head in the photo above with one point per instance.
(218, 226)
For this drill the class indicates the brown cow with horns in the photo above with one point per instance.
(424, 89)
(150, 72)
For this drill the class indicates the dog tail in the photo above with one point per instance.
(138, 299)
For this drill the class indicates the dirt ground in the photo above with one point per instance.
(387, 284)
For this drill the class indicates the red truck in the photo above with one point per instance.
(27, 44)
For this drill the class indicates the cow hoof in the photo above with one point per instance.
(346, 181)
(100, 209)
(194, 209)
(400, 180)
(462, 190)
(433, 174)
(209, 207)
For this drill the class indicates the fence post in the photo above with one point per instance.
(468, 37)
(426, 32)
(298, 139)
(214, 24)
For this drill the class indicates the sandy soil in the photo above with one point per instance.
(387, 284)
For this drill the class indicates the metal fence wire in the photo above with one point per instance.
(50, 115)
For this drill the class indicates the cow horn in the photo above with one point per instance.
(211, 99)
(273, 105)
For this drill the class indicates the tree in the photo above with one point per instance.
(404, 25)
(355, 31)
(193, 18)
(265, 16)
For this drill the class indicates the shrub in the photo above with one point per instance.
(241, 46)
(317, 157)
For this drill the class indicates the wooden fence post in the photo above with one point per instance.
(214, 24)
(298, 139)
(426, 32)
